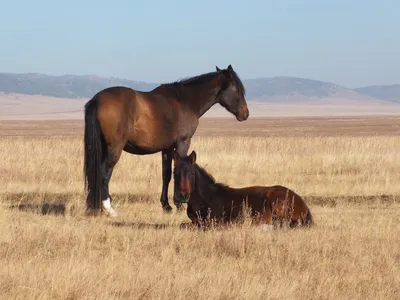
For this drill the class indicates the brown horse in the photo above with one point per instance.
(162, 120)
(208, 200)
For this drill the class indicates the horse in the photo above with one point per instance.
(208, 200)
(162, 120)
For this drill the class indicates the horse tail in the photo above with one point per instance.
(309, 220)
(94, 145)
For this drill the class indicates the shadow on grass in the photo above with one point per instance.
(332, 201)
(56, 203)
(33, 197)
(140, 225)
(43, 209)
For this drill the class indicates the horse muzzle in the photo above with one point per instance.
(244, 114)
(185, 198)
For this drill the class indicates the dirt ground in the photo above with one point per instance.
(255, 127)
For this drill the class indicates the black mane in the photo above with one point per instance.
(239, 83)
(208, 178)
(195, 80)
(205, 78)
(198, 79)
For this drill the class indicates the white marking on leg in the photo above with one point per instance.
(107, 207)
(266, 227)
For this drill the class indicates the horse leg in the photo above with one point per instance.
(182, 148)
(166, 177)
(265, 220)
(108, 165)
(193, 218)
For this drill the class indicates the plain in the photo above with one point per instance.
(348, 172)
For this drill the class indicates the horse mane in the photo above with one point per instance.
(198, 79)
(204, 78)
(209, 179)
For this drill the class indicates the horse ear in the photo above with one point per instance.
(192, 157)
(218, 69)
(229, 71)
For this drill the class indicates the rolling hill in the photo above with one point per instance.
(273, 89)
(298, 90)
(38, 96)
(385, 92)
(66, 86)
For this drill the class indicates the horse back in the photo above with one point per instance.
(254, 197)
(286, 200)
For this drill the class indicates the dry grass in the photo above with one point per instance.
(352, 252)
(216, 127)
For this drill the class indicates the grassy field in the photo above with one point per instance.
(348, 173)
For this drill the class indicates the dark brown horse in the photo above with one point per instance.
(208, 200)
(119, 118)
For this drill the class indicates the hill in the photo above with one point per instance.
(66, 86)
(273, 90)
(38, 96)
(298, 90)
(385, 92)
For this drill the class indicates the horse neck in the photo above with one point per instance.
(203, 189)
(200, 98)
(209, 193)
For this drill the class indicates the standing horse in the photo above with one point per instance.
(162, 120)
(207, 199)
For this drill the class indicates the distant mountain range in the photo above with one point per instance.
(385, 92)
(273, 89)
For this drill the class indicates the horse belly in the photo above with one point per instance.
(150, 138)
(134, 149)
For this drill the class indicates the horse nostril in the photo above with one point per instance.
(246, 113)
(184, 187)
(184, 191)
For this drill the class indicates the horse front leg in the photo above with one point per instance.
(194, 218)
(166, 177)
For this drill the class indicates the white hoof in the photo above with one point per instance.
(266, 227)
(108, 209)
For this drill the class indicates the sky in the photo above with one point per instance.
(348, 42)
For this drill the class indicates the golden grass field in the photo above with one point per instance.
(347, 172)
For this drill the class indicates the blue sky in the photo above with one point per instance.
(353, 43)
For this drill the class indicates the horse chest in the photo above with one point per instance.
(187, 127)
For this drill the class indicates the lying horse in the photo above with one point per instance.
(208, 200)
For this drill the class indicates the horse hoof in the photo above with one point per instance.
(110, 214)
(107, 209)
(266, 227)
(186, 226)
(167, 208)
(179, 207)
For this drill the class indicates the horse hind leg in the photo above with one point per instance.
(265, 220)
(108, 165)
(307, 219)
(304, 220)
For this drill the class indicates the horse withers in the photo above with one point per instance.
(162, 120)
(208, 200)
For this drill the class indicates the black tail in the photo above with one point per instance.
(94, 153)
(309, 220)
